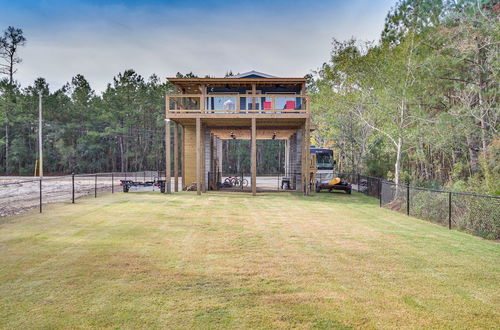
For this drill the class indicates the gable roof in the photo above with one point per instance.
(253, 74)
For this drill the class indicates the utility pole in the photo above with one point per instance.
(40, 146)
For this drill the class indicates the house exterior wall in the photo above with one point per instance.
(189, 150)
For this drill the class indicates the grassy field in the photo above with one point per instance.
(226, 260)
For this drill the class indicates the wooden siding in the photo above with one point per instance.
(189, 155)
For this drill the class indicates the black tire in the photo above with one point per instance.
(244, 183)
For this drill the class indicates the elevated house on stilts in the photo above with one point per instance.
(251, 106)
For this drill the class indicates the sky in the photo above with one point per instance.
(99, 39)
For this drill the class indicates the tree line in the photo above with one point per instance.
(421, 104)
(120, 130)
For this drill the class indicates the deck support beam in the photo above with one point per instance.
(203, 159)
(198, 156)
(287, 158)
(168, 178)
(303, 160)
(254, 157)
(183, 157)
(176, 157)
(307, 142)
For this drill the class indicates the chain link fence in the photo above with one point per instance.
(19, 194)
(474, 213)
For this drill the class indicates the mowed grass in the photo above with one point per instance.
(229, 260)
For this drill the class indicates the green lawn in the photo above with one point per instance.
(235, 261)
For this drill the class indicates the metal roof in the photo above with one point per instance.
(253, 73)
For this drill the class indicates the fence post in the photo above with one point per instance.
(40, 194)
(73, 188)
(144, 176)
(449, 210)
(112, 182)
(359, 181)
(408, 199)
(380, 192)
(95, 187)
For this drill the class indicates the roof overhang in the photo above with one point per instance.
(183, 82)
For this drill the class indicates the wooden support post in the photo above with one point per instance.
(203, 162)
(254, 91)
(203, 90)
(176, 157)
(219, 155)
(301, 159)
(168, 178)
(287, 158)
(198, 155)
(254, 157)
(183, 158)
(238, 103)
(307, 142)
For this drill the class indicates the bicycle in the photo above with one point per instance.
(236, 181)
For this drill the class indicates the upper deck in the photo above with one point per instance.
(244, 96)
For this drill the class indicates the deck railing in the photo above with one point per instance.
(237, 103)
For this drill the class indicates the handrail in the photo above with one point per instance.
(199, 103)
(238, 94)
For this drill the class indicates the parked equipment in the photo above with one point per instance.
(324, 176)
(335, 184)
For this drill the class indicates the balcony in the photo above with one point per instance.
(237, 104)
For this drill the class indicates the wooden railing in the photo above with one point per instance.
(237, 103)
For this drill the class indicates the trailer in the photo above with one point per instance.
(127, 184)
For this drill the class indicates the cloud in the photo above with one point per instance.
(99, 41)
